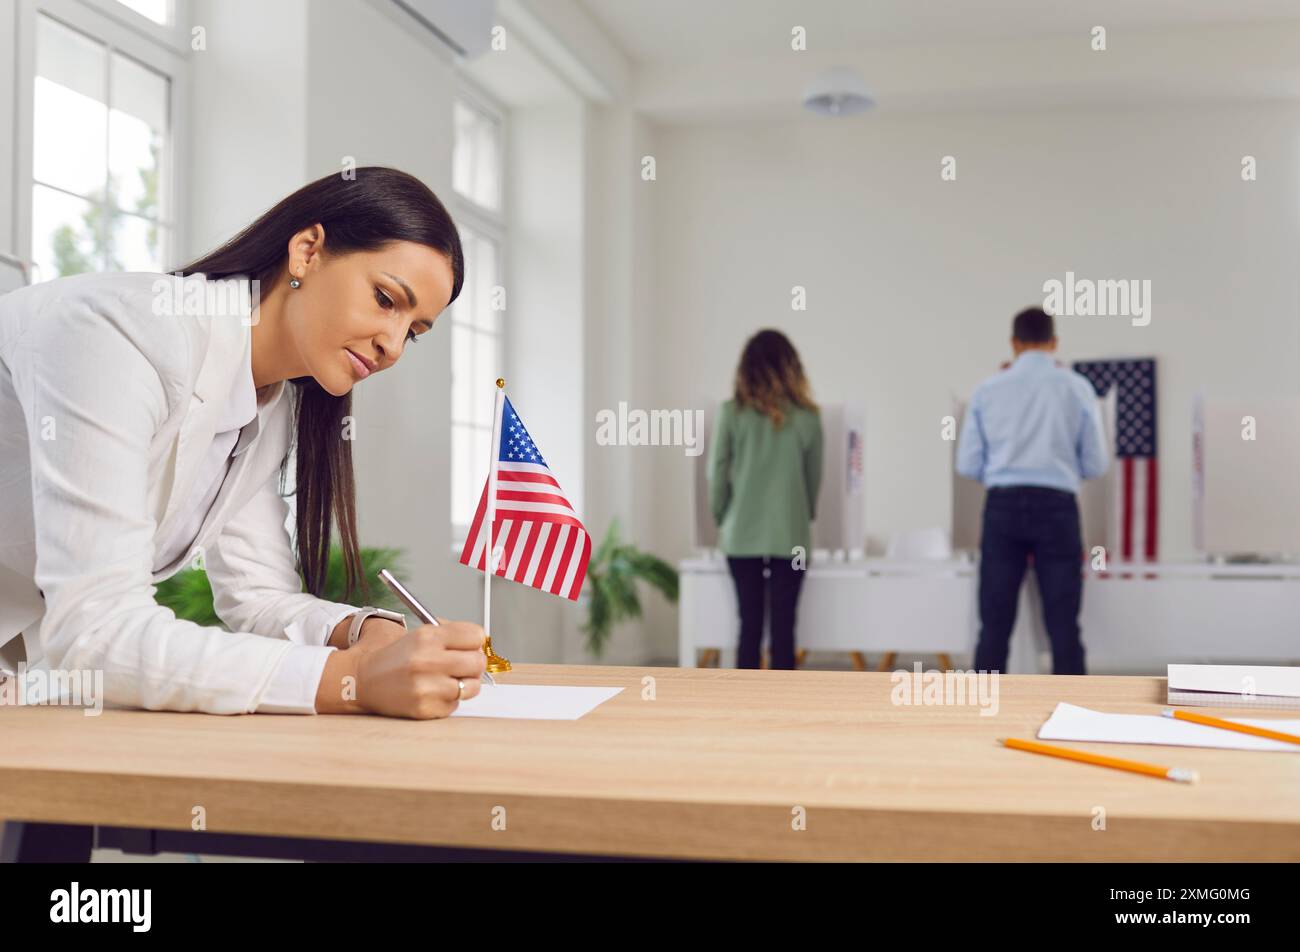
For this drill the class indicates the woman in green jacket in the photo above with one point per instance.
(765, 468)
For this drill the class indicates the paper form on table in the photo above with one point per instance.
(534, 702)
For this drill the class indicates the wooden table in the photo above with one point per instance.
(716, 766)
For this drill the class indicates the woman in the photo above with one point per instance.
(765, 467)
(143, 426)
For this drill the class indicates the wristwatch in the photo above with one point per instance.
(354, 629)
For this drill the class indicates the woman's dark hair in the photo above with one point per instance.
(362, 213)
(770, 377)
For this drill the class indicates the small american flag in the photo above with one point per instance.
(855, 461)
(540, 539)
(1135, 528)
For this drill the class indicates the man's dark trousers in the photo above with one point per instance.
(1020, 521)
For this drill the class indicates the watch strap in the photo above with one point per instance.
(354, 627)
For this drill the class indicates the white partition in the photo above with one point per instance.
(1246, 492)
(869, 605)
(1135, 620)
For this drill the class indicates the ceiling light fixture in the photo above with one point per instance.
(840, 91)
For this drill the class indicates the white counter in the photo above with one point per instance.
(1135, 618)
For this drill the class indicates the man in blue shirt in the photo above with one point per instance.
(1031, 433)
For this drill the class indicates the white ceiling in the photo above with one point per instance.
(668, 31)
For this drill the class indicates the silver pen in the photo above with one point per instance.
(413, 603)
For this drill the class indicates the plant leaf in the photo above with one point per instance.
(656, 572)
(189, 593)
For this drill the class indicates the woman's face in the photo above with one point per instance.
(354, 314)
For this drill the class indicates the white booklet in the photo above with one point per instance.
(1071, 722)
(1234, 685)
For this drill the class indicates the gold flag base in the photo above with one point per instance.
(495, 663)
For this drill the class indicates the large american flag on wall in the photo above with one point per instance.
(540, 539)
(1135, 524)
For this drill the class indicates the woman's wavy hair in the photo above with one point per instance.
(770, 377)
(362, 213)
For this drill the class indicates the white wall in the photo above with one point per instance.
(912, 281)
(545, 284)
(248, 128)
(619, 260)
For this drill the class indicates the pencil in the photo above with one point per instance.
(1178, 774)
(415, 605)
(1209, 721)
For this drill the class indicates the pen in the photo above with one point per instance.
(413, 603)
(1179, 774)
(1209, 721)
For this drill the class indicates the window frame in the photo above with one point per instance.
(175, 35)
(492, 224)
(136, 37)
(478, 99)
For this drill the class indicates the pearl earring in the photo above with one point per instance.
(295, 283)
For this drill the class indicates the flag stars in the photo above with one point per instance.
(516, 443)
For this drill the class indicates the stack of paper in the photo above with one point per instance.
(1069, 722)
(1234, 685)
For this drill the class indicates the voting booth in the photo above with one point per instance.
(1245, 470)
(1096, 496)
(840, 525)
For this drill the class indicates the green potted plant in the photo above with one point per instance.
(612, 574)
(189, 594)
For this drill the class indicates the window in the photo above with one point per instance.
(100, 134)
(477, 349)
(476, 159)
(475, 364)
(159, 11)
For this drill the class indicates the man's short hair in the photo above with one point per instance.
(1033, 325)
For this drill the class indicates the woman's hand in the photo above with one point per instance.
(415, 675)
(377, 632)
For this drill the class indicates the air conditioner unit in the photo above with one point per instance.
(464, 25)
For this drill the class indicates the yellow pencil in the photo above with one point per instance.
(1209, 721)
(1178, 774)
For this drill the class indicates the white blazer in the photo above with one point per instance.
(106, 412)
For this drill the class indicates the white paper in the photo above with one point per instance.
(534, 702)
(1258, 679)
(1070, 722)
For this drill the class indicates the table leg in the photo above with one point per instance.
(24, 842)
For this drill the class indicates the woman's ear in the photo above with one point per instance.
(306, 248)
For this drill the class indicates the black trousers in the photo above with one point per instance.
(781, 585)
(1020, 521)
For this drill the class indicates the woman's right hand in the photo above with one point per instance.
(416, 676)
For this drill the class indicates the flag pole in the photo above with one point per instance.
(495, 663)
